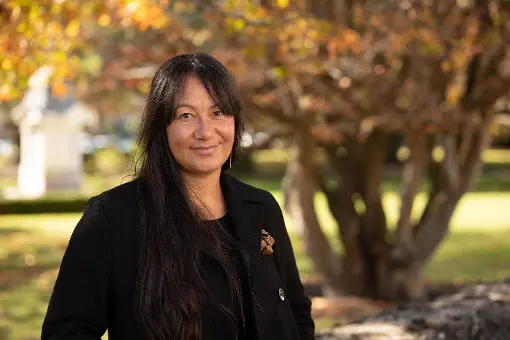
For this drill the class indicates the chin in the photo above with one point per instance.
(206, 169)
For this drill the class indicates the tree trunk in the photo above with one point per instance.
(377, 263)
(300, 186)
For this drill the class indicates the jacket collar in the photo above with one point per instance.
(246, 211)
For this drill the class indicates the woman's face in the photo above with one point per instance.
(200, 136)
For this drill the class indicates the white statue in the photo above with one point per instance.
(50, 156)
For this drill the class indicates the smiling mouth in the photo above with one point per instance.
(205, 150)
(205, 147)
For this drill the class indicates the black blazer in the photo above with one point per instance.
(95, 288)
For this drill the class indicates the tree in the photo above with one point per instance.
(83, 41)
(337, 78)
(342, 76)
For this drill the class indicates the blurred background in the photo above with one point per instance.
(382, 128)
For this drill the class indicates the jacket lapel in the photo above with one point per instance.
(246, 214)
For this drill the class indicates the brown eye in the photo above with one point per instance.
(185, 115)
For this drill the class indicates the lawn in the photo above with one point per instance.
(477, 248)
(31, 247)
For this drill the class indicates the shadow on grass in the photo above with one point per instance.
(33, 255)
(25, 254)
(29, 261)
(8, 231)
(23, 306)
(10, 278)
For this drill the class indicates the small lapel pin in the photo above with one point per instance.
(266, 243)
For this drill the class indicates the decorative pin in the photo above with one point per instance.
(266, 243)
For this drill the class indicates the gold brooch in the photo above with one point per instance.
(266, 243)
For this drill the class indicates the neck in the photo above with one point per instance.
(205, 193)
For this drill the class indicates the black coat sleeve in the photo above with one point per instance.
(299, 302)
(79, 302)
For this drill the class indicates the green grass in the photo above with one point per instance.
(23, 306)
(496, 156)
(31, 247)
(475, 249)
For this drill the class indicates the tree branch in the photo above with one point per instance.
(468, 129)
(444, 194)
(449, 165)
(411, 179)
(443, 198)
(375, 219)
(340, 201)
(434, 225)
(299, 187)
(473, 163)
(273, 102)
(349, 221)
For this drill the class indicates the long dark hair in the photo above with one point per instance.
(170, 288)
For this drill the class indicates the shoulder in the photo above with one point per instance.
(116, 210)
(123, 196)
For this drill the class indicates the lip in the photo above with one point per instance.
(206, 150)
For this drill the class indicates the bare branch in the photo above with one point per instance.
(340, 200)
(339, 101)
(271, 100)
(449, 164)
(412, 176)
(434, 226)
(331, 134)
(473, 163)
(299, 187)
(344, 94)
(465, 139)
(442, 200)
(375, 156)
(360, 247)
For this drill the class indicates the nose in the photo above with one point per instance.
(205, 129)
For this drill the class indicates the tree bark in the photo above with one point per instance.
(373, 264)
(300, 185)
(356, 278)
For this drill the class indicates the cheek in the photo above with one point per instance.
(176, 139)
(228, 130)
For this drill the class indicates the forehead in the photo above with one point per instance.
(194, 90)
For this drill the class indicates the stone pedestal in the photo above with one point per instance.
(31, 170)
(50, 126)
(63, 155)
(51, 158)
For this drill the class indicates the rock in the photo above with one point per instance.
(480, 312)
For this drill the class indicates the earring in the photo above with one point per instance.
(230, 161)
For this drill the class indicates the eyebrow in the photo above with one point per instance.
(194, 107)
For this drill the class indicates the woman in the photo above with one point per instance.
(184, 251)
